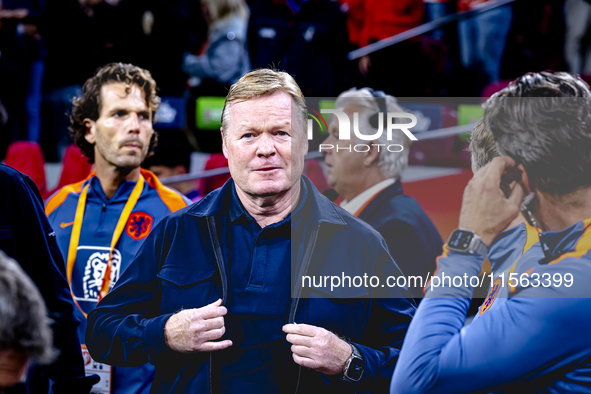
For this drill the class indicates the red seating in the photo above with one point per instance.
(207, 185)
(75, 168)
(27, 157)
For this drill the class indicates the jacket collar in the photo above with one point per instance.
(573, 238)
(384, 195)
(318, 209)
(121, 195)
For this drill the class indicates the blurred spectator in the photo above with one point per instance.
(482, 43)
(26, 235)
(21, 67)
(307, 39)
(370, 183)
(171, 157)
(25, 333)
(160, 32)
(81, 36)
(577, 46)
(436, 9)
(399, 70)
(224, 58)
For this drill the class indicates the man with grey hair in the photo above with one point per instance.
(482, 145)
(25, 334)
(207, 299)
(537, 339)
(369, 180)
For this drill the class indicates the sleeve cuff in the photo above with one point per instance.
(457, 276)
(370, 372)
(154, 340)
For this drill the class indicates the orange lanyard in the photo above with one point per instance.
(356, 214)
(532, 236)
(77, 227)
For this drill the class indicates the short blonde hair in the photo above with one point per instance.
(260, 83)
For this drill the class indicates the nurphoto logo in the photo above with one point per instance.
(345, 129)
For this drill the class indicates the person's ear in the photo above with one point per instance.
(373, 154)
(524, 179)
(224, 147)
(305, 144)
(90, 135)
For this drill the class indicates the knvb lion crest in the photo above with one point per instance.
(94, 271)
(139, 225)
(492, 294)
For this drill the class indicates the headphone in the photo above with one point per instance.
(380, 98)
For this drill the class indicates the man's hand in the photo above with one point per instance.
(193, 330)
(485, 209)
(317, 348)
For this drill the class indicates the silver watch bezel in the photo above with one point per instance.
(476, 244)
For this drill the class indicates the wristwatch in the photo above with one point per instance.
(353, 370)
(466, 242)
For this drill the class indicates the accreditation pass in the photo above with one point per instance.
(104, 371)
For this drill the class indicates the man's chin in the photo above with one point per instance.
(128, 165)
(269, 190)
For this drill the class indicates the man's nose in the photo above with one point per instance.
(328, 141)
(266, 146)
(133, 125)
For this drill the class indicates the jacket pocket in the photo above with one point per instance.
(186, 288)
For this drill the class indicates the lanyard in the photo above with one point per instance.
(532, 236)
(77, 227)
(356, 214)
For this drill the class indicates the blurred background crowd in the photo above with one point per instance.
(196, 49)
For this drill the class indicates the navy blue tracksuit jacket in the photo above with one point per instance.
(182, 265)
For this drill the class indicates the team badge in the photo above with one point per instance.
(94, 270)
(494, 290)
(139, 225)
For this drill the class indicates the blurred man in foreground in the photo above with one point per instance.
(26, 235)
(540, 123)
(25, 333)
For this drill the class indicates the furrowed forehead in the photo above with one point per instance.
(275, 108)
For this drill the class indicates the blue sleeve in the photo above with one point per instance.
(37, 252)
(126, 330)
(508, 343)
(389, 319)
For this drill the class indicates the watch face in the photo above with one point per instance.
(355, 369)
(460, 239)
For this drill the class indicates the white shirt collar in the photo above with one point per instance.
(357, 202)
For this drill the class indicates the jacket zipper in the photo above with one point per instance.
(303, 269)
(219, 258)
(295, 301)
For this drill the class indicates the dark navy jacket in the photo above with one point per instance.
(413, 240)
(181, 266)
(26, 236)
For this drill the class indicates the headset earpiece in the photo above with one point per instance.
(380, 98)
